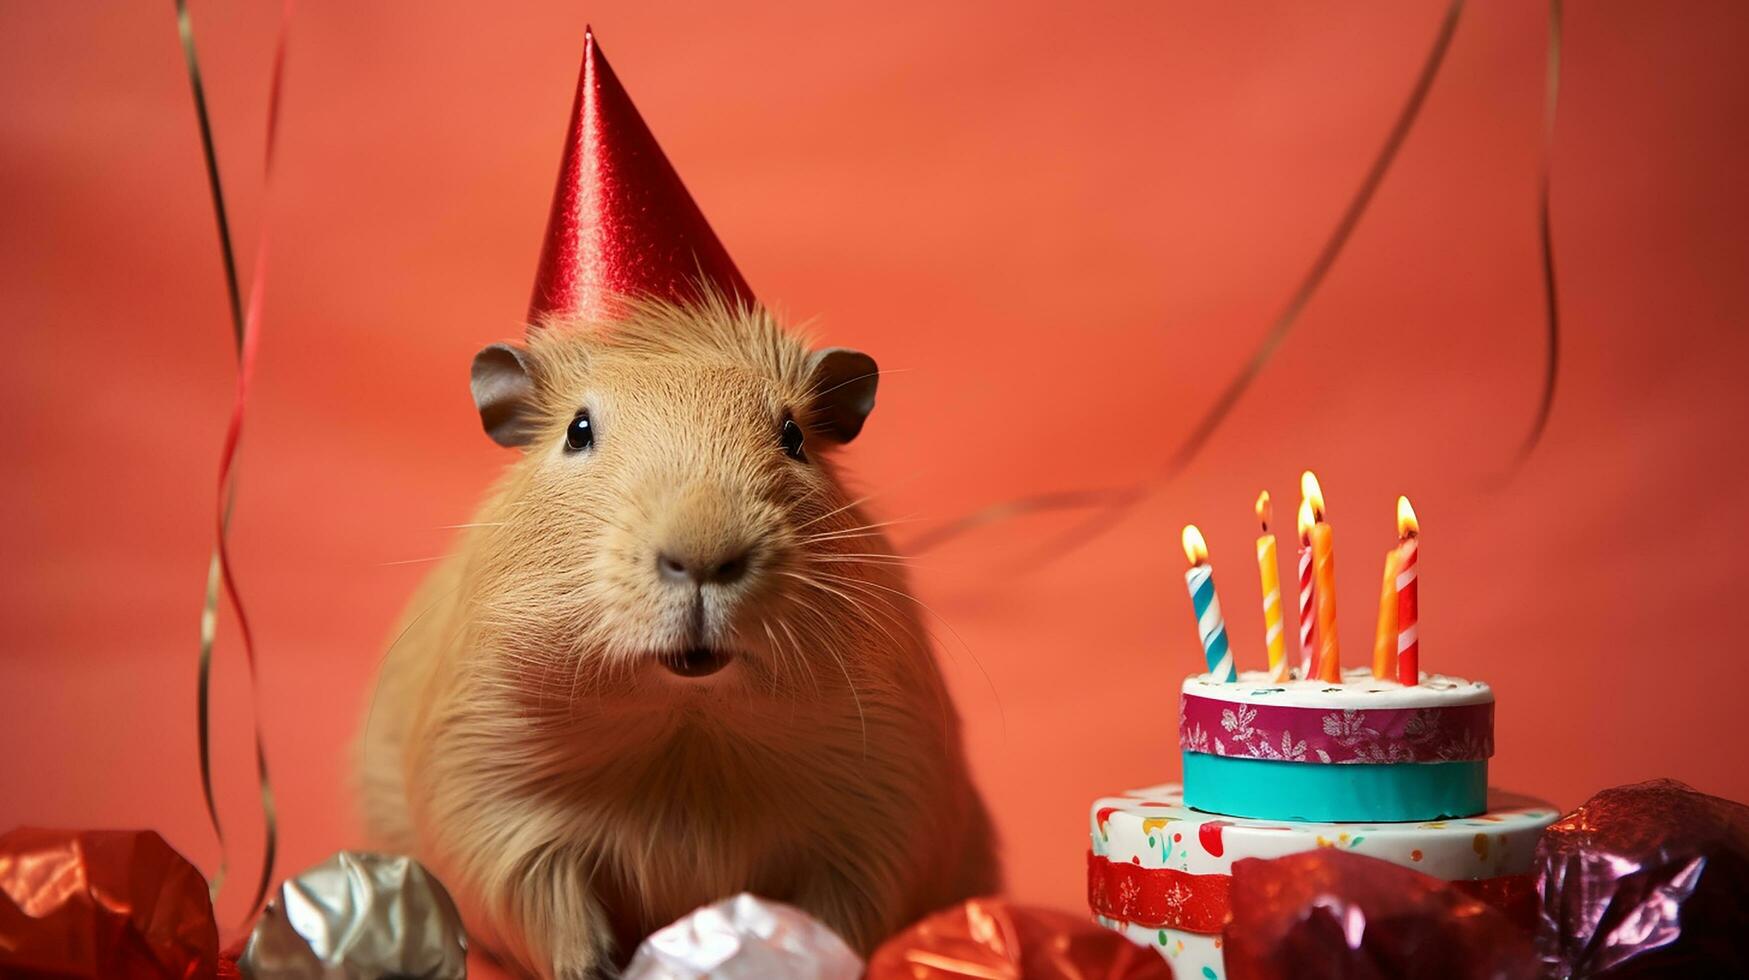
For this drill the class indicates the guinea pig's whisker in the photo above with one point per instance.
(843, 668)
(799, 657)
(866, 526)
(837, 558)
(864, 531)
(839, 510)
(960, 640)
(780, 656)
(867, 608)
(814, 392)
(412, 561)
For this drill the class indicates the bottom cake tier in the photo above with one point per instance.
(1158, 871)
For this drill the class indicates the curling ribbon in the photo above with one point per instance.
(1551, 304)
(1112, 504)
(245, 326)
(1166, 898)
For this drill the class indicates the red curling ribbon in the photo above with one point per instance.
(1157, 897)
(246, 324)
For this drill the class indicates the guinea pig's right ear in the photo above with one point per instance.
(843, 383)
(504, 393)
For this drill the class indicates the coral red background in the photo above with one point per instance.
(1061, 233)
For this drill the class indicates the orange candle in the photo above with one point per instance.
(1384, 647)
(1270, 573)
(1329, 666)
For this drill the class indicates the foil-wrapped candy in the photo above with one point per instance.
(102, 904)
(994, 939)
(745, 938)
(1331, 913)
(1646, 880)
(359, 916)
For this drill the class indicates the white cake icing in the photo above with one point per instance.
(1358, 690)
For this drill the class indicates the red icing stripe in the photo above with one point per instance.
(1171, 899)
(1157, 897)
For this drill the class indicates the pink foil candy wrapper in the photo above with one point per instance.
(359, 916)
(1336, 914)
(1647, 880)
(745, 938)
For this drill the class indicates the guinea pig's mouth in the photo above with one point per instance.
(696, 661)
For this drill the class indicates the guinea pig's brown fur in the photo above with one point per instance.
(533, 737)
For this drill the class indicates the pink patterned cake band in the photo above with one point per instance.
(1461, 733)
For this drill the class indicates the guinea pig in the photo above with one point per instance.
(672, 659)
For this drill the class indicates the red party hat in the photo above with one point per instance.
(622, 222)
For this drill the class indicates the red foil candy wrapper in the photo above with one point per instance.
(991, 939)
(1330, 913)
(1648, 880)
(102, 904)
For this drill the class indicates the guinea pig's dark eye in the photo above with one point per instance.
(579, 435)
(792, 439)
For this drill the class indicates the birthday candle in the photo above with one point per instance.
(1408, 553)
(1308, 593)
(1329, 665)
(1271, 575)
(1210, 627)
(1384, 647)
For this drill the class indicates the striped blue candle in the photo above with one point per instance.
(1211, 628)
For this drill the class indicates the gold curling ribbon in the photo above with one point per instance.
(243, 327)
(1113, 504)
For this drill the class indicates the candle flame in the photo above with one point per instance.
(1407, 525)
(1264, 510)
(1313, 493)
(1306, 520)
(1196, 550)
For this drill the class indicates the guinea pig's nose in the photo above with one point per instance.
(718, 569)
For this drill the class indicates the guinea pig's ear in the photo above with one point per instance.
(843, 382)
(504, 394)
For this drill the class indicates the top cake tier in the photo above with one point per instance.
(1365, 749)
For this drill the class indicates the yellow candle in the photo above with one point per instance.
(1270, 573)
(1384, 647)
(1329, 666)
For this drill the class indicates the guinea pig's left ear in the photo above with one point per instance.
(843, 385)
(504, 393)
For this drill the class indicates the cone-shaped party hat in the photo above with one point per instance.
(622, 222)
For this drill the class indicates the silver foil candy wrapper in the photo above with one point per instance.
(359, 916)
(745, 938)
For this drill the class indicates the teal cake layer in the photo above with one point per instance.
(1267, 789)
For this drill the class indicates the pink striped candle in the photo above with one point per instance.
(1308, 593)
(1408, 596)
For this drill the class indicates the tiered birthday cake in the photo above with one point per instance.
(1285, 761)
(1394, 772)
